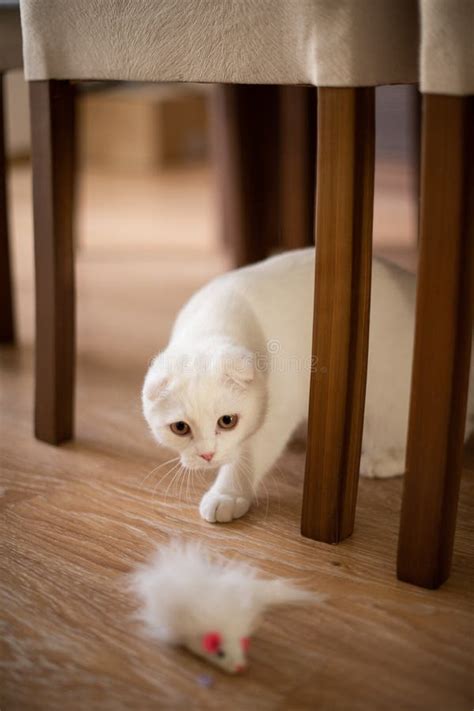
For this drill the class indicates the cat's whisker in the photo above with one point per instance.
(187, 474)
(166, 475)
(187, 477)
(182, 477)
(177, 484)
(186, 485)
(163, 464)
(161, 481)
(190, 475)
(175, 476)
(155, 469)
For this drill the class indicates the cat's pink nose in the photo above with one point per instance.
(207, 456)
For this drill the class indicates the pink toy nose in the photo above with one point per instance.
(207, 456)
(240, 668)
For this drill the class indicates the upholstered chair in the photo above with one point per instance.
(344, 48)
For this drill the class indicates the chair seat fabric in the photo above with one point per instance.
(318, 42)
(447, 46)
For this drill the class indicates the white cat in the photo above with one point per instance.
(233, 383)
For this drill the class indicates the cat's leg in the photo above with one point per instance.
(229, 497)
(382, 463)
(384, 448)
(385, 461)
(384, 440)
(236, 484)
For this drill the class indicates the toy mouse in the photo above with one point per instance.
(208, 604)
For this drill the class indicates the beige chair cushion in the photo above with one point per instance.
(320, 42)
(246, 41)
(447, 46)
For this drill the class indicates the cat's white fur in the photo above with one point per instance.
(187, 594)
(242, 346)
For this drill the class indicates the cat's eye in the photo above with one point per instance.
(180, 428)
(227, 422)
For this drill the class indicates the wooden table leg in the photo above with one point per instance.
(7, 326)
(52, 129)
(344, 208)
(442, 341)
(245, 133)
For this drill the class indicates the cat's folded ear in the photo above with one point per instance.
(157, 379)
(237, 365)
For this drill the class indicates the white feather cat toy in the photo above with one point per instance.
(207, 604)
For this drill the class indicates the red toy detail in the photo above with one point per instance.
(211, 642)
(245, 643)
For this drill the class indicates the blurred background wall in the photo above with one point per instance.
(148, 185)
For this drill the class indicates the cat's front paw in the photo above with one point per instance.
(219, 507)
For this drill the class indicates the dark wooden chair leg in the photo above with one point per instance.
(52, 129)
(245, 131)
(442, 342)
(297, 165)
(7, 324)
(344, 208)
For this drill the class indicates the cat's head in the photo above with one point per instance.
(205, 405)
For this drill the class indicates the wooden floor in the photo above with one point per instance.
(75, 519)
